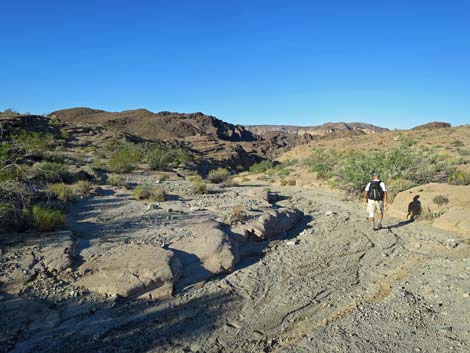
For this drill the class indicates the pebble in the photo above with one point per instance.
(452, 243)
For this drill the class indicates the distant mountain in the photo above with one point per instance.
(322, 130)
(432, 125)
(162, 125)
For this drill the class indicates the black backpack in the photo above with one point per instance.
(375, 191)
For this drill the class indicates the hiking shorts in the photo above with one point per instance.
(373, 206)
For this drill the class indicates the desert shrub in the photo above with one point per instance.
(150, 193)
(32, 141)
(218, 175)
(83, 187)
(283, 182)
(457, 143)
(117, 180)
(464, 152)
(291, 182)
(181, 156)
(237, 215)
(50, 171)
(460, 177)
(16, 193)
(121, 161)
(428, 215)
(47, 219)
(198, 185)
(321, 163)
(13, 218)
(8, 217)
(62, 192)
(440, 200)
(261, 167)
(231, 182)
(158, 158)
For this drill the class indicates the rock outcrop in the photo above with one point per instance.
(446, 205)
(271, 223)
(206, 252)
(131, 271)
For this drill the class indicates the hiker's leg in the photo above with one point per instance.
(380, 217)
(371, 210)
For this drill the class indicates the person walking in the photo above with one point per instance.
(376, 196)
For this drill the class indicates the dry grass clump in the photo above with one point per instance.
(150, 193)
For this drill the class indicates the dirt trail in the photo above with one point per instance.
(330, 285)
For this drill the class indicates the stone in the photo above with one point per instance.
(139, 270)
(452, 243)
(211, 245)
(271, 223)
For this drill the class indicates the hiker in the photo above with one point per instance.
(377, 199)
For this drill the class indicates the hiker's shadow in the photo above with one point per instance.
(401, 224)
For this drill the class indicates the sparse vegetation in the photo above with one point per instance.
(237, 215)
(199, 186)
(440, 200)
(47, 219)
(121, 162)
(117, 180)
(428, 215)
(460, 177)
(83, 187)
(351, 169)
(62, 192)
(157, 158)
(50, 172)
(150, 193)
(261, 167)
(218, 175)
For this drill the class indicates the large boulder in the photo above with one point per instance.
(206, 252)
(133, 270)
(271, 223)
(448, 203)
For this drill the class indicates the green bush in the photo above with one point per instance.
(352, 170)
(117, 180)
(47, 219)
(62, 192)
(218, 175)
(121, 162)
(50, 171)
(460, 177)
(32, 141)
(261, 167)
(158, 159)
(149, 192)
(394, 187)
(321, 163)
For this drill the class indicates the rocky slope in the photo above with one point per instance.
(321, 130)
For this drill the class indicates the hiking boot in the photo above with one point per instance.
(379, 226)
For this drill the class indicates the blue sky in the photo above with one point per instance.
(392, 63)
